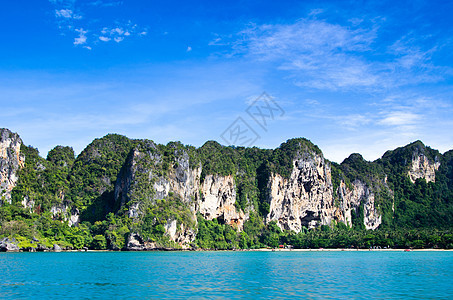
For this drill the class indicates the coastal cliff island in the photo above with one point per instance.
(125, 194)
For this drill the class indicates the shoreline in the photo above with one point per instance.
(349, 250)
(246, 250)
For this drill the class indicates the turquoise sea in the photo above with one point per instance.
(227, 275)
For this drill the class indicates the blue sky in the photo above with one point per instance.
(358, 76)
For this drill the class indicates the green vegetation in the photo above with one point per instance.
(213, 235)
(419, 204)
(44, 181)
(151, 226)
(41, 231)
(414, 215)
(94, 173)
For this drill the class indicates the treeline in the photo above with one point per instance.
(418, 215)
(213, 235)
(34, 232)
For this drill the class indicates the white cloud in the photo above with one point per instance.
(316, 53)
(189, 49)
(399, 118)
(82, 39)
(327, 56)
(118, 30)
(106, 3)
(70, 22)
(67, 13)
(354, 121)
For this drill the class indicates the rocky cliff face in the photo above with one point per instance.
(304, 199)
(66, 212)
(300, 186)
(182, 180)
(11, 160)
(352, 199)
(142, 181)
(217, 200)
(135, 180)
(422, 167)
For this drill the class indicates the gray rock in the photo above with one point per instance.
(135, 242)
(11, 161)
(56, 248)
(42, 248)
(7, 245)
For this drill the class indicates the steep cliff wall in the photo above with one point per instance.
(167, 189)
(146, 178)
(217, 200)
(149, 175)
(305, 198)
(11, 160)
(422, 167)
(66, 212)
(351, 201)
(182, 179)
(134, 184)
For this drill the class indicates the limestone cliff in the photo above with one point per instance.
(165, 188)
(66, 212)
(305, 198)
(422, 167)
(217, 200)
(135, 180)
(143, 179)
(11, 160)
(149, 176)
(182, 180)
(352, 199)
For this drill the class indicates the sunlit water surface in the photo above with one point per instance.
(226, 275)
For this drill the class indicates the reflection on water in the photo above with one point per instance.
(227, 275)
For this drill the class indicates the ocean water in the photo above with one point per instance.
(227, 275)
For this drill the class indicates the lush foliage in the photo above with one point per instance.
(94, 173)
(414, 215)
(419, 204)
(44, 181)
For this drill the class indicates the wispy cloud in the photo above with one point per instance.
(82, 39)
(327, 56)
(121, 31)
(106, 3)
(316, 53)
(70, 19)
(399, 118)
(67, 13)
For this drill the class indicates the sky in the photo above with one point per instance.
(351, 76)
